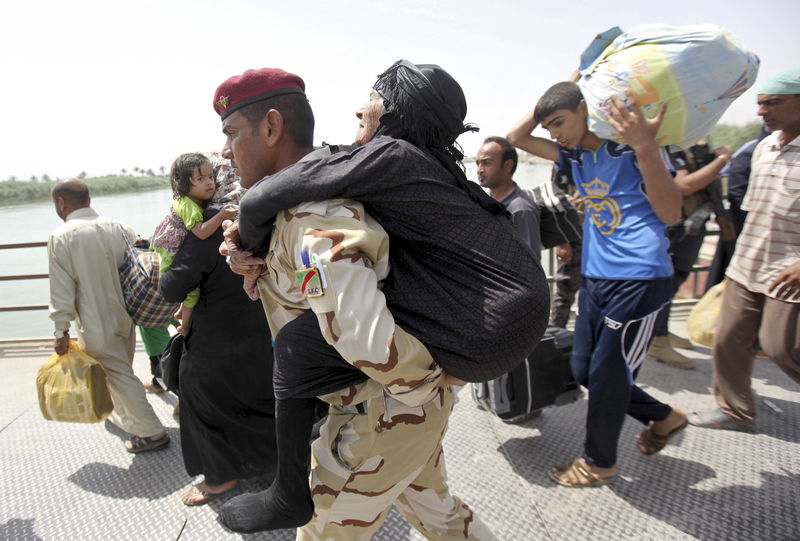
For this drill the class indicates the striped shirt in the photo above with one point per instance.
(770, 241)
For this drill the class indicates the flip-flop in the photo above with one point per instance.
(649, 443)
(585, 478)
(717, 419)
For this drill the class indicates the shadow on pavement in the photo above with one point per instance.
(19, 529)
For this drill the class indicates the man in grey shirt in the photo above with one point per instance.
(496, 162)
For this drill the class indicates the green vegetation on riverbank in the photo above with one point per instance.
(733, 135)
(21, 191)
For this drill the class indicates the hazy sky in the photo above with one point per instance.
(98, 86)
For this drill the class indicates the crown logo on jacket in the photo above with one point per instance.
(596, 188)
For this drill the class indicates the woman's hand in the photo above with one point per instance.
(240, 262)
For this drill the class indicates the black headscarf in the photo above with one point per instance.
(426, 107)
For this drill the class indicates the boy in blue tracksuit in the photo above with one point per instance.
(629, 198)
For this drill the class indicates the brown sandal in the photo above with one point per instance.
(649, 443)
(140, 444)
(576, 475)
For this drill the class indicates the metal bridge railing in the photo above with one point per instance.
(23, 307)
(550, 271)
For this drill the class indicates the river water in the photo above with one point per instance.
(33, 222)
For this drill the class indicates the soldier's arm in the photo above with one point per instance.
(351, 251)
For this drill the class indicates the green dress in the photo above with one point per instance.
(170, 233)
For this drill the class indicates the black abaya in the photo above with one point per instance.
(227, 413)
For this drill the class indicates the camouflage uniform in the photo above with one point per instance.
(381, 443)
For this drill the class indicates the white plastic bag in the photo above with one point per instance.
(697, 69)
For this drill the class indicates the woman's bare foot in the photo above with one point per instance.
(202, 493)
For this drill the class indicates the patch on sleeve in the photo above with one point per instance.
(309, 282)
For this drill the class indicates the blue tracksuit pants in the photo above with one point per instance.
(612, 332)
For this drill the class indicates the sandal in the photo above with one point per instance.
(139, 444)
(649, 443)
(576, 475)
(201, 496)
(717, 419)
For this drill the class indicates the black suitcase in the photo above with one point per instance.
(543, 379)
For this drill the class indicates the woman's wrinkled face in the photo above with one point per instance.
(369, 116)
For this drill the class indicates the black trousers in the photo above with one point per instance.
(306, 365)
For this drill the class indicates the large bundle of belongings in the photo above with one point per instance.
(698, 70)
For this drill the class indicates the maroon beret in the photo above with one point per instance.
(255, 85)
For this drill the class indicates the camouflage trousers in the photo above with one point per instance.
(365, 460)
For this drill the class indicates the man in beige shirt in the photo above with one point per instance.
(84, 255)
(761, 305)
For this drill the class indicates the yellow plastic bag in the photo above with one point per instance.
(72, 388)
(702, 322)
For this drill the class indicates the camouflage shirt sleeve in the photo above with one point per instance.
(350, 252)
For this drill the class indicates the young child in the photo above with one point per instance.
(629, 198)
(193, 186)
